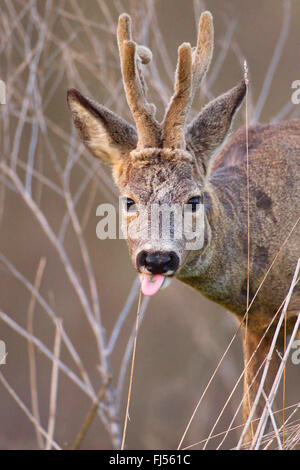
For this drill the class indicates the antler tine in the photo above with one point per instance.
(174, 121)
(203, 52)
(124, 29)
(188, 82)
(143, 113)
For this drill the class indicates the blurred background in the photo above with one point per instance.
(49, 192)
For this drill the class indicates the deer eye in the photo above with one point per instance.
(129, 204)
(193, 203)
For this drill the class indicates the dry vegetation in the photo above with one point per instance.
(46, 47)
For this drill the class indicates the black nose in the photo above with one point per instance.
(158, 262)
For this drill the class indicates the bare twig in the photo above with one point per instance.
(90, 416)
(31, 354)
(131, 371)
(38, 343)
(54, 384)
(273, 421)
(263, 420)
(269, 357)
(25, 409)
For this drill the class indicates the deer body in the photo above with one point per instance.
(219, 271)
(172, 163)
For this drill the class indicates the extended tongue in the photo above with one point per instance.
(151, 283)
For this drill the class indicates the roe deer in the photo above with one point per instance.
(176, 163)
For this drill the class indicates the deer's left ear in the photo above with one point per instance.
(209, 129)
(106, 135)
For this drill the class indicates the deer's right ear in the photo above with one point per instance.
(106, 135)
(210, 128)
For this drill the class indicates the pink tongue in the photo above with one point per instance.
(151, 283)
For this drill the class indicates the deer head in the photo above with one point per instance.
(159, 164)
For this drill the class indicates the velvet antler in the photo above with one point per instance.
(191, 68)
(143, 112)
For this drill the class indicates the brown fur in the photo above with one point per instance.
(169, 163)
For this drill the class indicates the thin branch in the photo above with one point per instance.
(31, 353)
(263, 420)
(59, 248)
(54, 385)
(38, 343)
(123, 315)
(75, 356)
(127, 355)
(25, 409)
(90, 416)
(270, 354)
(131, 371)
(273, 421)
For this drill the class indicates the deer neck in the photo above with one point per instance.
(215, 270)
